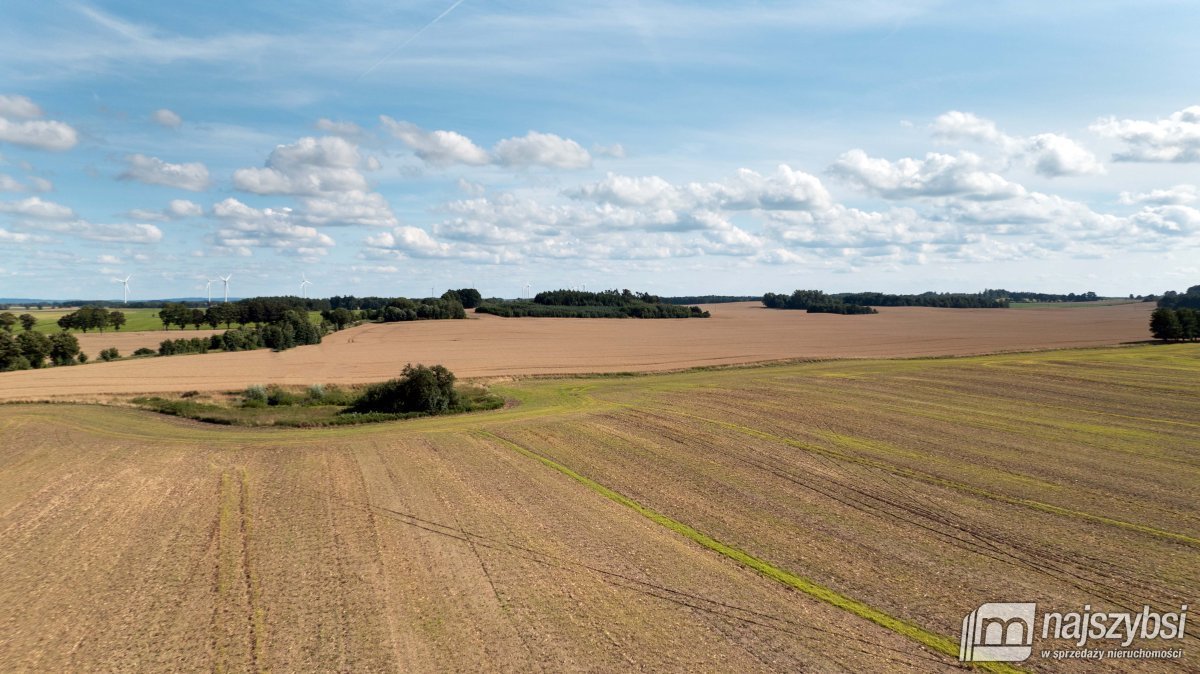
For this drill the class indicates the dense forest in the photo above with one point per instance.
(710, 299)
(814, 302)
(583, 304)
(1188, 299)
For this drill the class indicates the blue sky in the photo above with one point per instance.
(674, 147)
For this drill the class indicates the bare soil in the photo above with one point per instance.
(489, 346)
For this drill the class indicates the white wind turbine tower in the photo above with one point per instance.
(304, 283)
(225, 280)
(527, 287)
(208, 287)
(125, 286)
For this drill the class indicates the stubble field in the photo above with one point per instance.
(838, 516)
(490, 346)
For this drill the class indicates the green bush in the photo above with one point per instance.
(110, 354)
(144, 352)
(420, 388)
(277, 397)
(254, 396)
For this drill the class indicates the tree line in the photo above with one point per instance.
(1175, 325)
(814, 302)
(92, 317)
(30, 349)
(290, 330)
(1188, 299)
(583, 304)
(1024, 296)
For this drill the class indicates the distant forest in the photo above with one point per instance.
(814, 302)
(710, 299)
(583, 304)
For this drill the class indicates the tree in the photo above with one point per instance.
(7, 321)
(34, 347)
(10, 354)
(109, 354)
(419, 389)
(64, 348)
(1189, 323)
(1165, 325)
(116, 319)
(27, 321)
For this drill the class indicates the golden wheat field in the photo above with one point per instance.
(490, 346)
(834, 516)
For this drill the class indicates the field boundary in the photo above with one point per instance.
(932, 640)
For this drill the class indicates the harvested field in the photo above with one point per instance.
(824, 516)
(491, 346)
(92, 343)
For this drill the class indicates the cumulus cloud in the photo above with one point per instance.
(38, 134)
(18, 107)
(786, 189)
(1049, 154)
(1179, 194)
(154, 171)
(1174, 139)
(247, 228)
(937, 175)
(182, 208)
(34, 207)
(1173, 220)
(167, 118)
(310, 166)
(541, 149)
(354, 207)
(440, 148)
(445, 148)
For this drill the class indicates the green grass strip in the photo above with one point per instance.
(917, 633)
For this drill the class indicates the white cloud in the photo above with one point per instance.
(469, 188)
(542, 149)
(32, 132)
(1173, 220)
(616, 150)
(247, 228)
(167, 118)
(1049, 154)
(445, 148)
(354, 207)
(19, 107)
(440, 148)
(139, 233)
(34, 207)
(786, 189)
(344, 129)
(154, 171)
(1054, 155)
(937, 175)
(39, 134)
(9, 184)
(182, 208)
(1179, 194)
(310, 166)
(1174, 139)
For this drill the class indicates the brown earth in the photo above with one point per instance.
(491, 346)
(500, 541)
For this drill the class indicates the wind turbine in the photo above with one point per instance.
(527, 287)
(125, 285)
(225, 280)
(208, 287)
(304, 283)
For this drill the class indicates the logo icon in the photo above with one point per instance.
(998, 633)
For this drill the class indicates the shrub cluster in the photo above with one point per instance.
(420, 388)
(92, 317)
(31, 350)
